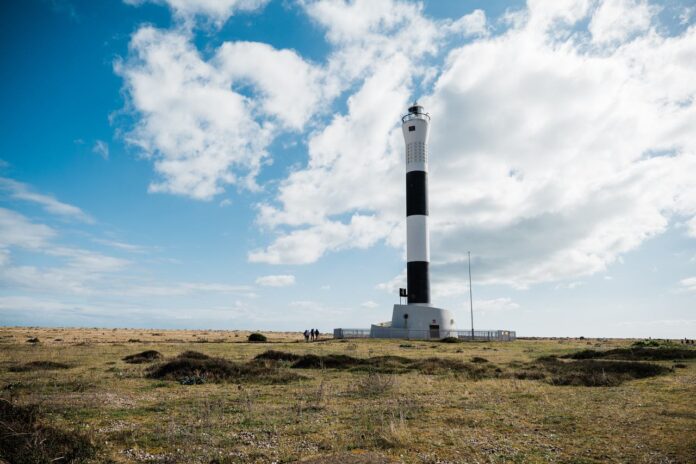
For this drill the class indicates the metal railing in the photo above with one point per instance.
(434, 334)
(351, 333)
(412, 116)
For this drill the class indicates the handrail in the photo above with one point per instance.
(411, 116)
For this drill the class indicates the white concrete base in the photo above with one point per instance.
(418, 322)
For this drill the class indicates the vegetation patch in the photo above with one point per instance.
(257, 338)
(144, 357)
(637, 353)
(39, 366)
(202, 370)
(385, 364)
(451, 340)
(593, 373)
(478, 360)
(193, 355)
(274, 355)
(24, 439)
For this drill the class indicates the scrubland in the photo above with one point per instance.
(168, 396)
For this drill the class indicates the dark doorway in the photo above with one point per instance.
(434, 331)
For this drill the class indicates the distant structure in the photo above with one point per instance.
(418, 319)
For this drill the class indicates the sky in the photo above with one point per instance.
(239, 164)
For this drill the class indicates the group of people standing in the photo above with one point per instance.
(311, 335)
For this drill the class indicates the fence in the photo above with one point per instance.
(434, 334)
(351, 333)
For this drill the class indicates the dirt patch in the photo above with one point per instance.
(39, 366)
(638, 353)
(24, 439)
(144, 357)
(196, 370)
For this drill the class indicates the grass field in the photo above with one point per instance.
(384, 401)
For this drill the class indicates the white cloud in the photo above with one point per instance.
(283, 280)
(202, 134)
(494, 305)
(121, 245)
(616, 20)
(21, 191)
(216, 11)
(289, 88)
(101, 148)
(688, 284)
(551, 156)
(18, 231)
(369, 304)
(470, 25)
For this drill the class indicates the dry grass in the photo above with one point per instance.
(427, 402)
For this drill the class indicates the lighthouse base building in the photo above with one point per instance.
(414, 321)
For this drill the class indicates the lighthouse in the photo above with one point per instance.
(418, 318)
(416, 128)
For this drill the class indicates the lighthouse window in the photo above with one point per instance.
(411, 128)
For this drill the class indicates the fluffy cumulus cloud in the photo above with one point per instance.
(201, 133)
(556, 146)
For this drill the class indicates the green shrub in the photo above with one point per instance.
(257, 338)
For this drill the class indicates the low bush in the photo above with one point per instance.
(144, 357)
(257, 337)
(25, 439)
(451, 340)
(190, 354)
(33, 340)
(39, 366)
(478, 360)
(636, 354)
(386, 364)
(593, 373)
(274, 355)
(219, 370)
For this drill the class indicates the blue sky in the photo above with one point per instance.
(239, 163)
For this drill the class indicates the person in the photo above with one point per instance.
(316, 334)
(311, 334)
(306, 335)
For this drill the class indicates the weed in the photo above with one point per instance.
(375, 384)
(34, 340)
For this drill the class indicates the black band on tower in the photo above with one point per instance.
(416, 193)
(418, 282)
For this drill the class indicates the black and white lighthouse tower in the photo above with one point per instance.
(416, 129)
(418, 318)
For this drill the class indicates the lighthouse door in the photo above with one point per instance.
(434, 331)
